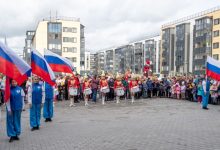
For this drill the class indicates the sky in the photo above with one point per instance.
(108, 23)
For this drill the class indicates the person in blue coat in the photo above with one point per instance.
(206, 92)
(48, 104)
(36, 98)
(14, 108)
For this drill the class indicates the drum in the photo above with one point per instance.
(105, 90)
(87, 91)
(120, 92)
(73, 91)
(135, 89)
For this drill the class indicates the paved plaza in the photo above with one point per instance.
(150, 124)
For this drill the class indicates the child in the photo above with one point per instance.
(194, 92)
(183, 90)
(200, 92)
(178, 90)
(214, 93)
(173, 91)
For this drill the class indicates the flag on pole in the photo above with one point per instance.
(41, 68)
(58, 63)
(7, 90)
(213, 68)
(13, 67)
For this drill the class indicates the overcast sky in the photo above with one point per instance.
(108, 22)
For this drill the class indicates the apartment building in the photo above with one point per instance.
(63, 36)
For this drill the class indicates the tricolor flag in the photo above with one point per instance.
(58, 63)
(41, 68)
(213, 68)
(13, 67)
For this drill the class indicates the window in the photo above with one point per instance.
(216, 33)
(215, 56)
(55, 46)
(70, 39)
(54, 27)
(73, 59)
(67, 29)
(70, 49)
(216, 21)
(55, 36)
(215, 45)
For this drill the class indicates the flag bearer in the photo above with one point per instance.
(48, 104)
(206, 89)
(36, 98)
(14, 108)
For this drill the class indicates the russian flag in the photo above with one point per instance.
(13, 67)
(41, 68)
(58, 63)
(213, 68)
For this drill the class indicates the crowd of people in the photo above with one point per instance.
(105, 87)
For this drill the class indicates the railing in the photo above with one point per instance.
(197, 15)
(60, 18)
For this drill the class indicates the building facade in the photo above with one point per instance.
(63, 36)
(28, 46)
(167, 50)
(186, 43)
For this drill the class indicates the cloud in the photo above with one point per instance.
(107, 22)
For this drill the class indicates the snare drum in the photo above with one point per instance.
(87, 91)
(120, 92)
(135, 89)
(105, 90)
(73, 91)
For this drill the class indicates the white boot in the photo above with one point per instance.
(103, 100)
(117, 100)
(86, 102)
(71, 102)
(132, 99)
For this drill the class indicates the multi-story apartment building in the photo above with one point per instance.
(138, 57)
(63, 36)
(28, 45)
(182, 45)
(202, 44)
(109, 60)
(167, 49)
(186, 43)
(131, 56)
(100, 61)
(151, 52)
(92, 64)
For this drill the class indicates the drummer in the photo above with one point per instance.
(133, 86)
(104, 88)
(73, 86)
(86, 89)
(119, 89)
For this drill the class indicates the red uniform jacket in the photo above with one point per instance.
(73, 83)
(118, 84)
(86, 85)
(133, 83)
(103, 83)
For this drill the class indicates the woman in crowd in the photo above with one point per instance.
(86, 89)
(104, 88)
(119, 89)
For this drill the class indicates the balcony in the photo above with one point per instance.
(199, 61)
(200, 50)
